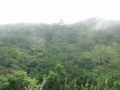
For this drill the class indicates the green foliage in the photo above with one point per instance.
(17, 80)
(70, 56)
(3, 82)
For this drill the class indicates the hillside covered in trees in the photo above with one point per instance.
(80, 56)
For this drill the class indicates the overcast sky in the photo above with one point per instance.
(51, 11)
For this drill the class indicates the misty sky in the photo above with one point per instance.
(51, 11)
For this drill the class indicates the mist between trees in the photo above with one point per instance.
(54, 57)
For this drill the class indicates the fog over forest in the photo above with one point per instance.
(81, 56)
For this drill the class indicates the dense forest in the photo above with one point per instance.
(80, 56)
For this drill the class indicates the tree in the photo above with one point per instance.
(18, 80)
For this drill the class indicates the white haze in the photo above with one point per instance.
(97, 23)
(105, 24)
(50, 11)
